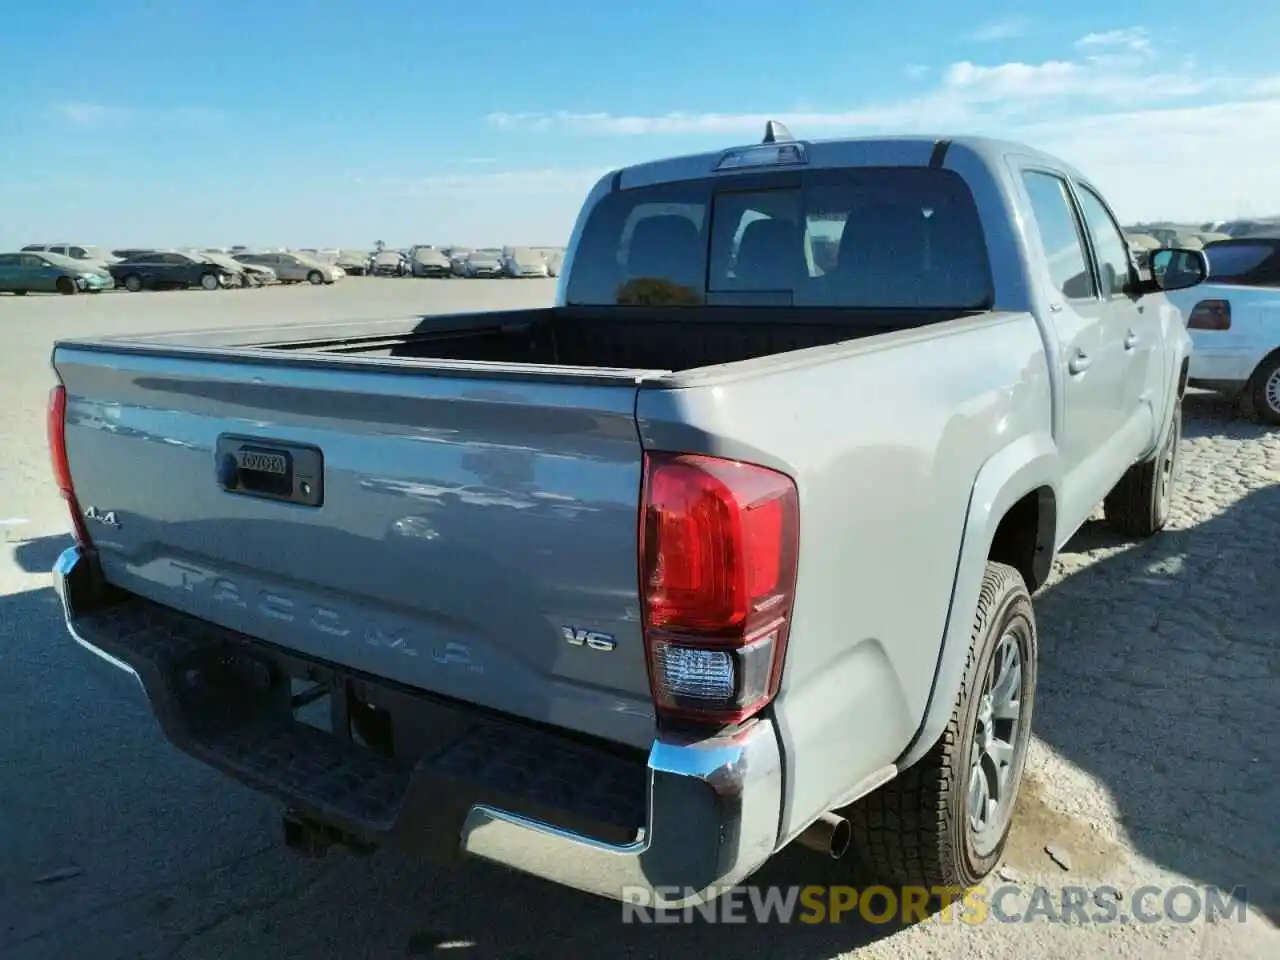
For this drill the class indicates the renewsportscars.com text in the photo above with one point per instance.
(1009, 903)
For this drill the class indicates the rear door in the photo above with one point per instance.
(456, 533)
(1091, 355)
(1126, 316)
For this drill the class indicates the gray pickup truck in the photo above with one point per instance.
(734, 546)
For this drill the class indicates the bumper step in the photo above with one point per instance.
(226, 699)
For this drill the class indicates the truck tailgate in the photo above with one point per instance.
(456, 534)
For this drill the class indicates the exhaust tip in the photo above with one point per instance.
(841, 836)
(829, 834)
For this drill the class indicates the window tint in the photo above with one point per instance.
(1108, 243)
(1243, 263)
(1060, 233)
(644, 246)
(757, 242)
(867, 237)
(30, 261)
(9, 260)
(77, 252)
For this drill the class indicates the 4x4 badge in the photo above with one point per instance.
(107, 519)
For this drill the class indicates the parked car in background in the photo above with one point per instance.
(42, 272)
(170, 269)
(74, 251)
(353, 262)
(483, 263)
(458, 260)
(126, 252)
(525, 262)
(430, 262)
(389, 263)
(295, 267)
(246, 274)
(1234, 322)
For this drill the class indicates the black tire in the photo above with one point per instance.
(210, 281)
(1262, 395)
(65, 286)
(1140, 504)
(916, 829)
(19, 293)
(132, 283)
(315, 278)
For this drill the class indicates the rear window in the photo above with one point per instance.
(1243, 263)
(887, 237)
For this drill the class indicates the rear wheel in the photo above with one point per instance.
(210, 281)
(315, 278)
(65, 286)
(1263, 392)
(944, 821)
(1139, 505)
(133, 283)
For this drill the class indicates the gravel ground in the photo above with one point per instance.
(1155, 759)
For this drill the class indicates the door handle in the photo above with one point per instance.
(1131, 340)
(1079, 363)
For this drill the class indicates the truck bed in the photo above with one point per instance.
(439, 501)
(646, 338)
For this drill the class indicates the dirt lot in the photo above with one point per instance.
(1155, 760)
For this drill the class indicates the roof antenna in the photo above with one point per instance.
(775, 132)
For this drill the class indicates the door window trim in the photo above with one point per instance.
(1077, 216)
(1105, 295)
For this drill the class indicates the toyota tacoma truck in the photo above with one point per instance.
(733, 546)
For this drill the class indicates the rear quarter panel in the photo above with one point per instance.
(1231, 356)
(884, 438)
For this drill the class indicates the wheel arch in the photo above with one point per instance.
(1012, 518)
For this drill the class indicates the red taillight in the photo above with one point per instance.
(719, 543)
(57, 422)
(1210, 315)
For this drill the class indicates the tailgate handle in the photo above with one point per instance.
(270, 469)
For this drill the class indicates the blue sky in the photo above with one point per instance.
(154, 122)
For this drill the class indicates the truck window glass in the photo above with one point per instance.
(1060, 233)
(872, 237)
(1242, 263)
(1108, 242)
(757, 241)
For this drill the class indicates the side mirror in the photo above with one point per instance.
(1173, 268)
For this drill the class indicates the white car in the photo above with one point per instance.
(1234, 322)
(525, 262)
(295, 267)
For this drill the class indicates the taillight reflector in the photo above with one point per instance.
(56, 426)
(719, 545)
(1210, 315)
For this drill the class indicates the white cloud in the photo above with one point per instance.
(1164, 136)
(1135, 39)
(1009, 28)
(90, 116)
